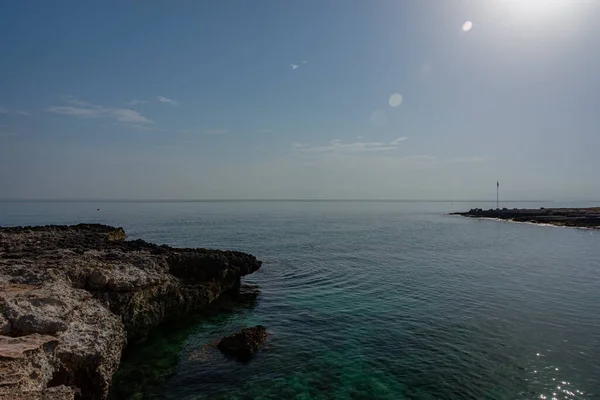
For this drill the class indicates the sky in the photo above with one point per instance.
(312, 99)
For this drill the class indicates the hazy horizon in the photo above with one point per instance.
(313, 100)
(167, 200)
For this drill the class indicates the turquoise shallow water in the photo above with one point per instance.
(369, 300)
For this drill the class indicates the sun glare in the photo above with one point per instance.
(535, 9)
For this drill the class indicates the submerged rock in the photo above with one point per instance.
(71, 297)
(244, 343)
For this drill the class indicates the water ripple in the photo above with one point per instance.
(378, 301)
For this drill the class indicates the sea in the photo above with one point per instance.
(367, 300)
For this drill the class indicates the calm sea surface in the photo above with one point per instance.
(368, 300)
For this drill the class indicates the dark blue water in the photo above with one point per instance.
(368, 300)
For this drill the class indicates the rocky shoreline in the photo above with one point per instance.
(72, 297)
(572, 217)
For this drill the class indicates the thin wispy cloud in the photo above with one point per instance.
(83, 109)
(68, 99)
(4, 110)
(296, 66)
(398, 141)
(338, 146)
(77, 111)
(164, 99)
(142, 127)
(125, 115)
(136, 102)
(194, 132)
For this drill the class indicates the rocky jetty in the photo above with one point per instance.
(243, 344)
(72, 297)
(575, 217)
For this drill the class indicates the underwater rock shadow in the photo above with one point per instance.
(149, 363)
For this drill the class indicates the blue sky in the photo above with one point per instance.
(307, 99)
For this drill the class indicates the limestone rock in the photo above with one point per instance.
(61, 392)
(117, 234)
(26, 365)
(72, 296)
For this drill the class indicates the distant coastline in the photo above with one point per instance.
(570, 217)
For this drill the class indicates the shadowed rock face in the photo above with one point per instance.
(575, 217)
(243, 344)
(71, 297)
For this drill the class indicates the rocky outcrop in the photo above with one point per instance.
(574, 217)
(243, 344)
(72, 297)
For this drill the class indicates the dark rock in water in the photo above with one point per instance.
(243, 344)
(71, 297)
(574, 217)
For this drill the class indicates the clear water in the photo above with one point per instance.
(369, 300)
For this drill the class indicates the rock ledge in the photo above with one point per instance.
(572, 217)
(72, 297)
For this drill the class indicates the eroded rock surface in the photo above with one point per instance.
(71, 297)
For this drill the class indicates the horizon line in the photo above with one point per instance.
(133, 200)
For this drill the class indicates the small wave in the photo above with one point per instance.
(538, 223)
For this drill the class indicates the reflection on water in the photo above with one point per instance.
(548, 380)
